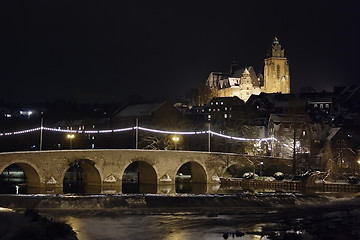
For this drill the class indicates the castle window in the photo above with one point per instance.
(278, 71)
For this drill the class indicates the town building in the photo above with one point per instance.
(244, 82)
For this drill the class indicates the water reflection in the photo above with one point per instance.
(175, 226)
(194, 188)
(13, 180)
(135, 187)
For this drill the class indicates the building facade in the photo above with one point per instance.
(244, 82)
(276, 70)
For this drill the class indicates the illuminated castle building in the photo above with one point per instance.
(244, 82)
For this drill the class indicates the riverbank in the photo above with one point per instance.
(31, 225)
(281, 215)
(153, 201)
(158, 201)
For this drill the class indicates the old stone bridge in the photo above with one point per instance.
(46, 170)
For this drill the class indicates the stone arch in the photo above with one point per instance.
(197, 170)
(237, 170)
(147, 171)
(143, 179)
(92, 179)
(191, 177)
(30, 171)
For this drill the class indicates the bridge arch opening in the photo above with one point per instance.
(191, 178)
(139, 177)
(82, 177)
(19, 178)
(238, 170)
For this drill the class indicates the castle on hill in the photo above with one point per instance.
(245, 82)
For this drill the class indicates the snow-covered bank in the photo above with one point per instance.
(31, 225)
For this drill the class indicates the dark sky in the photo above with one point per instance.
(160, 49)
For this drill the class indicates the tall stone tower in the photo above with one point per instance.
(276, 71)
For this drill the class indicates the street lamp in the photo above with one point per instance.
(176, 140)
(70, 137)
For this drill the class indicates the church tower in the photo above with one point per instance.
(276, 71)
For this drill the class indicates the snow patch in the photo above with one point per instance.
(165, 178)
(110, 179)
(51, 181)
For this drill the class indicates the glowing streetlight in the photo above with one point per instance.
(70, 137)
(176, 140)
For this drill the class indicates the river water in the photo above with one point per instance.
(290, 222)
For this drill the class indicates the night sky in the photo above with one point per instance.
(160, 49)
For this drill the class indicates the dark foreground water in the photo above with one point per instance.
(330, 216)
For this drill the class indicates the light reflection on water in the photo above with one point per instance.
(178, 226)
(175, 224)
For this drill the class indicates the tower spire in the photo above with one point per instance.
(276, 70)
(276, 50)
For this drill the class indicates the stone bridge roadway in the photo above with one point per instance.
(45, 170)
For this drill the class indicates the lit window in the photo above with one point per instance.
(321, 105)
(225, 108)
(92, 146)
(211, 103)
(222, 103)
(217, 103)
(209, 116)
(327, 105)
(225, 115)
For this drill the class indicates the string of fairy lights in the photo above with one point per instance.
(258, 140)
